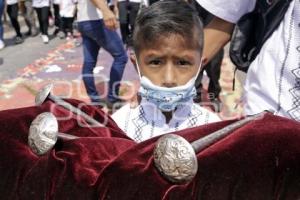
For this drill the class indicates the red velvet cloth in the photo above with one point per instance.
(258, 161)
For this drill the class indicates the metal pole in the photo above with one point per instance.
(45, 93)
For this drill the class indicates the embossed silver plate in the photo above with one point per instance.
(43, 94)
(43, 133)
(175, 158)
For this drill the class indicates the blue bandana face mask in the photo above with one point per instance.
(167, 99)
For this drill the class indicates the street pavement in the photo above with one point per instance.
(25, 68)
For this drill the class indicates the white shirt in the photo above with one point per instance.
(146, 120)
(40, 3)
(67, 8)
(56, 1)
(11, 2)
(87, 11)
(134, 1)
(230, 11)
(273, 77)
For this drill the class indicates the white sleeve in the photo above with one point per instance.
(11, 2)
(228, 10)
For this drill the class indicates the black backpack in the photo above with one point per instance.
(253, 29)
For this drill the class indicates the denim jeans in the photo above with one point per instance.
(1, 15)
(94, 36)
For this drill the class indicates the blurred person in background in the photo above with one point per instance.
(212, 68)
(2, 44)
(28, 14)
(97, 25)
(67, 11)
(13, 13)
(57, 20)
(42, 8)
(128, 10)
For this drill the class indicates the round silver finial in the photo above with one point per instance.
(43, 133)
(175, 158)
(43, 94)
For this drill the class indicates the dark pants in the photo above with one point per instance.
(94, 36)
(67, 24)
(127, 15)
(43, 17)
(13, 12)
(57, 18)
(1, 15)
(213, 70)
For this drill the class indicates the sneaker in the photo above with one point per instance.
(2, 45)
(18, 40)
(69, 36)
(45, 39)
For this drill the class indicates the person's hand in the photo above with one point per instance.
(110, 20)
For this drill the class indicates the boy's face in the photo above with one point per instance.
(169, 62)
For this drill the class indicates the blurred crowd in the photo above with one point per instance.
(38, 14)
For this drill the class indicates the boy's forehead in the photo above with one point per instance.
(174, 41)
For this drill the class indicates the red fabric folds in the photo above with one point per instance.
(258, 161)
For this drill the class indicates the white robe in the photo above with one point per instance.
(273, 78)
(146, 120)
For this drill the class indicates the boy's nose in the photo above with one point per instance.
(169, 75)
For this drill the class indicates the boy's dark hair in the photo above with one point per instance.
(165, 18)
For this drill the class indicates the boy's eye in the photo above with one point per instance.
(184, 63)
(155, 62)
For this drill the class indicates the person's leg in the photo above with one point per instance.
(123, 17)
(45, 20)
(90, 55)
(63, 24)
(70, 21)
(1, 24)
(30, 18)
(57, 20)
(13, 11)
(213, 72)
(198, 86)
(214, 88)
(134, 9)
(112, 43)
(39, 14)
(23, 13)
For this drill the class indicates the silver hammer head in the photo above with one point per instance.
(43, 133)
(175, 158)
(43, 94)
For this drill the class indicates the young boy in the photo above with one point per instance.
(168, 43)
(67, 15)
